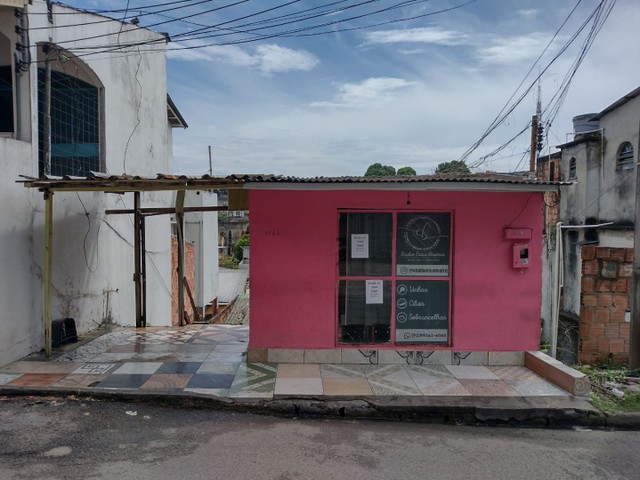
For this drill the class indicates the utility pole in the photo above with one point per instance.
(210, 163)
(534, 138)
(536, 144)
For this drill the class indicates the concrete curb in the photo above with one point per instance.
(542, 412)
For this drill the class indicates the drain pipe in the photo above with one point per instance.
(558, 279)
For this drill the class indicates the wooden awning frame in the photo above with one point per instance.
(238, 200)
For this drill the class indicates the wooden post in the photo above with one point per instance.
(48, 269)
(180, 229)
(143, 270)
(136, 254)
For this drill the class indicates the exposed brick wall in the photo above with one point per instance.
(604, 300)
(189, 272)
(546, 170)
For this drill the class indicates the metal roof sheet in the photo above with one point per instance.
(107, 182)
(485, 177)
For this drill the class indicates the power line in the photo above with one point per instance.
(125, 10)
(501, 116)
(594, 19)
(98, 49)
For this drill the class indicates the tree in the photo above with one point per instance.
(237, 249)
(379, 170)
(406, 171)
(454, 166)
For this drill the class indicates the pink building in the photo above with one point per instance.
(393, 269)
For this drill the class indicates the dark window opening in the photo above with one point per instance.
(572, 169)
(75, 125)
(6, 99)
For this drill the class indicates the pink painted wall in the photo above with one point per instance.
(294, 253)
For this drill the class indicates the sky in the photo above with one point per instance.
(373, 89)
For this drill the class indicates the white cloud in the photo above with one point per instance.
(269, 59)
(433, 35)
(528, 13)
(273, 58)
(509, 50)
(370, 92)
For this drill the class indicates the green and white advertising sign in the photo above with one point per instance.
(422, 311)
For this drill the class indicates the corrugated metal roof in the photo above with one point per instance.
(106, 182)
(485, 177)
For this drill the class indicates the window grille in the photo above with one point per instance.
(75, 125)
(625, 157)
(572, 169)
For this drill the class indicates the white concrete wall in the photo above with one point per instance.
(618, 187)
(20, 273)
(202, 230)
(93, 253)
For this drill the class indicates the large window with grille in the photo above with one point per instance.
(394, 277)
(75, 126)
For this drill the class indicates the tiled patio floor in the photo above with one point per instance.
(211, 360)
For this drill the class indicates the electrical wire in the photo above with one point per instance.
(507, 109)
(126, 11)
(79, 11)
(191, 35)
(596, 22)
(86, 235)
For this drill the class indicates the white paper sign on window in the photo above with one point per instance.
(360, 245)
(374, 291)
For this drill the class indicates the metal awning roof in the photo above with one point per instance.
(133, 183)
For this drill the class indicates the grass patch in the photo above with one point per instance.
(613, 388)
(228, 262)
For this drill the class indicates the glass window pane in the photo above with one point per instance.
(364, 310)
(365, 244)
(423, 244)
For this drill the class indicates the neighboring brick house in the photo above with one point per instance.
(604, 305)
(598, 217)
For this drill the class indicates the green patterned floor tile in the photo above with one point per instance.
(253, 379)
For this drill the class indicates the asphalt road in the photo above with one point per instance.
(54, 439)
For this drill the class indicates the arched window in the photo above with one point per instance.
(625, 157)
(572, 169)
(76, 117)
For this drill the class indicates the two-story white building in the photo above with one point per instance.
(597, 232)
(79, 94)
